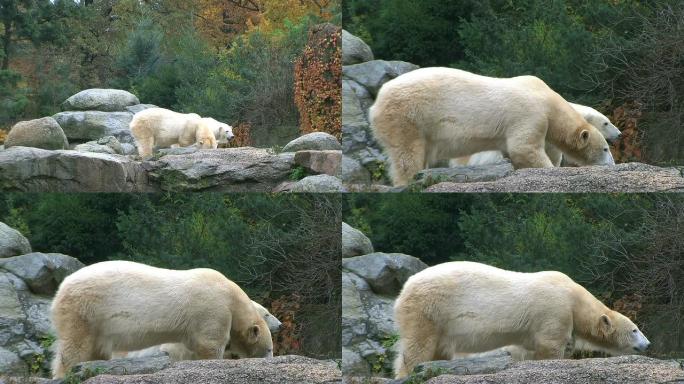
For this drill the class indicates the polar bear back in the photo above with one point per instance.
(166, 126)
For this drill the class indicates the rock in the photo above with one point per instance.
(622, 178)
(243, 169)
(463, 174)
(386, 273)
(10, 362)
(320, 162)
(129, 149)
(354, 50)
(38, 170)
(107, 100)
(107, 144)
(42, 133)
(43, 272)
(317, 141)
(373, 74)
(354, 242)
(318, 184)
(139, 107)
(613, 370)
(132, 366)
(490, 362)
(353, 172)
(93, 125)
(12, 242)
(280, 369)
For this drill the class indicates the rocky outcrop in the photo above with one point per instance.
(27, 284)
(318, 184)
(316, 141)
(319, 162)
(39, 133)
(107, 100)
(81, 126)
(280, 369)
(24, 169)
(107, 144)
(370, 284)
(626, 178)
(354, 50)
(354, 242)
(12, 242)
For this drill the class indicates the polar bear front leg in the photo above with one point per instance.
(145, 147)
(406, 161)
(555, 154)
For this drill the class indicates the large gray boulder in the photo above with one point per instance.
(38, 170)
(354, 50)
(620, 178)
(386, 273)
(107, 144)
(12, 242)
(318, 184)
(221, 170)
(107, 100)
(319, 162)
(289, 369)
(93, 125)
(354, 242)
(42, 272)
(317, 141)
(39, 133)
(373, 74)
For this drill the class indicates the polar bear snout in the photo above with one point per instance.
(640, 341)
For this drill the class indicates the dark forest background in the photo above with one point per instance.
(627, 249)
(283, 250)
(623, 57)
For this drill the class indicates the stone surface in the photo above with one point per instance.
(320, 162)
(93, 125)
(132, 366)
(386, 273)
(463, 174)
(42, 272)
(12, 242)
(353, 172)
(221, 170)
(318, 141)
(627, 178)
(318, 184)
(486, 363)
(280, 369)
(39, 133)
(614, 370)
(354, 50)
(139, 107)
(107, 144)
(354, 242)
(37, 170)
(108, 100)
(373, 74)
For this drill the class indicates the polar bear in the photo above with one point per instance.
(178, 352)
(435, 114)
(592, 116)
(162, 128)
(465, 307)
(124, 306)
(222, 131)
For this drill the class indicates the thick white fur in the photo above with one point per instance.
(125, 306)
(592, 116)
(162, 128)
(178, 352)
(435, 114)
(222, 131)
(462, 307)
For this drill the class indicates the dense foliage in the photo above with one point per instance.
(283, 250)
(626, 249)
(231, 60)
(599, 53)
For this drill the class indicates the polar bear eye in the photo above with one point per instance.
(605, 149)
(605, 123)
(634, 331)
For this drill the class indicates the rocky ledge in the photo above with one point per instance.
(500, 369)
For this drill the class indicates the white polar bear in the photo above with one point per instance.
(178, 352)
(162, 128)
(124, 306)
(592, 116)
(464, 307)
(436, 114)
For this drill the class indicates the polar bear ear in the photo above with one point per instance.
(254, 332)
(605, 324)
(584, 135)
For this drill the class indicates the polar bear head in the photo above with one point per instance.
(254, 341)
(273, 323)
(587, 146)
(618, 335)
(222, 131)
(598, 120)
